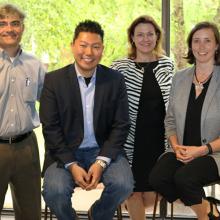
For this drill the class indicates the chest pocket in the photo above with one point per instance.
(30, 89)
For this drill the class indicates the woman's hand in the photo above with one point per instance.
(196, 151)
(181, 153)
(186, 154)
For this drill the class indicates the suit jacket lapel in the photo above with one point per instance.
(75, 94)
(99, 94)
(183, 97)
(213, 85)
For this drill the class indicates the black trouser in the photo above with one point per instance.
(176, 180)
(20, 167)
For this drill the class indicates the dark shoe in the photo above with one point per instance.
(75, 215)
(213, 203)
(90, 214)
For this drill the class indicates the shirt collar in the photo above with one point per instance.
(79, 75)
(4, 55)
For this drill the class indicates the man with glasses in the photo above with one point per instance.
(21, 81)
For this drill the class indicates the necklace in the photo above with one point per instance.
(200, 84)
(143, 65)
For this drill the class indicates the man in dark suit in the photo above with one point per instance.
(84, 113)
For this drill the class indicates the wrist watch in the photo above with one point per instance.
(102, 163)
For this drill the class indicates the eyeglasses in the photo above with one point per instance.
(13, 24)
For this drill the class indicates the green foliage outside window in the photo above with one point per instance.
(50, 24)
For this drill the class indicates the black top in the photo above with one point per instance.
(149, 133)
(192, 132)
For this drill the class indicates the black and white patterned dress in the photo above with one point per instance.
(148, 86)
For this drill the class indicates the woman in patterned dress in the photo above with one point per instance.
(148, 75)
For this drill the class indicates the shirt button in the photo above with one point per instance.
(204, 140)
(12, 95)
(12, 125)
(13, 80)
(12, 110)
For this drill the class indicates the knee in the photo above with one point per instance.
(182, 181)
(123, 188)
(58, 184)
(54, 192)
(118, 178)
(156, 180)
(135, 196)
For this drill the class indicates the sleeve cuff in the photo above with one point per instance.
(68, 164)
(106, 159)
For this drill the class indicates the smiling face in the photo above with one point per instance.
(87, 50)
(11, 30)
(204, 45)
(145, 38)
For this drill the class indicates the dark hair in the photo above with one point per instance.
(203, 25)
(8, 9)
(146, 19)
(88, 26)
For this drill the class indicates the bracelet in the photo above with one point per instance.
(102, 163)
(209, 148)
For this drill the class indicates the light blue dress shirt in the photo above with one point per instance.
(87, 97)
(21, 82)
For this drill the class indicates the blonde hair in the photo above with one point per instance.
(145, 19)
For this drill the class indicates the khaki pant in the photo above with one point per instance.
(20, 168)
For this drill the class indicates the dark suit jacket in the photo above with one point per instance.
(61, 114)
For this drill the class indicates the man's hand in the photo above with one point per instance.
(94, 175)
(80, 176)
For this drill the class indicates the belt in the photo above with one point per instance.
(15, 139)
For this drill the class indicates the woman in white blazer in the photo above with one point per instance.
(192, 126)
